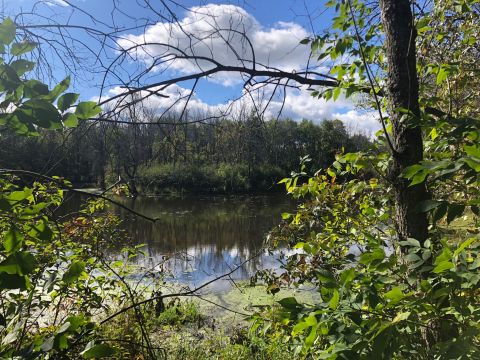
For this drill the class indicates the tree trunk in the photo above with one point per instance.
(402, 92)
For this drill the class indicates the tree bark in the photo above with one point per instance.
(402, 92)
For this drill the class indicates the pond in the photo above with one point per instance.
(203, 236)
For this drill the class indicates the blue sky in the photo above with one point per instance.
(274, 27)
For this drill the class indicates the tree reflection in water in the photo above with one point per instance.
(204, 236)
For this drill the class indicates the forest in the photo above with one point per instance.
(223, 156)
(372, 249)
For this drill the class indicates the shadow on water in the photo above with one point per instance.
(203, 236)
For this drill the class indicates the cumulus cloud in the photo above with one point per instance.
(299, 104)
(231, 36)
(225, 33)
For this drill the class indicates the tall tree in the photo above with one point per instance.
(403, 106)
(205, 55)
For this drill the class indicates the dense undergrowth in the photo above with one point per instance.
(62, 297)
(184, 331)
(209, 179)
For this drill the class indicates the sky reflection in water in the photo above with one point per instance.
(205, 236)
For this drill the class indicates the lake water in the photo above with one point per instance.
(203, 236)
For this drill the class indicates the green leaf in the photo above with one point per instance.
(474, 164)
(9, 79)
(66, 100)
(289, 303)
(70, 120)
(413, 242)
(48, 344)
(336, 93)
(73, 272)
(40, 112)
(331, 173)
(419, 177)
(423, 22)
(401, 316)
(427, 205)
(473, 150)
(326, 277)
(374, 256)
(64, 328)
(87, 109)
(76, 322)
(333, 303)
(441, 75)
(58, 89)
(445, 255)
(464, 245)
(410, 171)
(99, 351)
(41, 231)
(299, 327)
(34, 88)
(443, 266)
(13, 281)
(61, 341)
(310, 339)
(412, 257)
(347, 277)
(395, 295)
(21, 263)
(7, 31)
(23, 47)
(13, 240)
(22, 66)
(20, 195)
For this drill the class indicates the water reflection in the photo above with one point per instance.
(202, 236)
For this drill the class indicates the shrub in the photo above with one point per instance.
(222, 178)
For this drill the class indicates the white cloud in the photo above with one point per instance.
(220, 32)
(224, 33)
(298, 105)
(360, 122)
(56, 3)
(172, 101)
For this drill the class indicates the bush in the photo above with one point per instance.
(223, 178)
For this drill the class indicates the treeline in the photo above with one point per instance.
(223, 156)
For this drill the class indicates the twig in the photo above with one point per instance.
(60, 182)
(180, 294)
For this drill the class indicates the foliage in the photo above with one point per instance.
(228, 156)
(179, 313)
(224, 178)
(374, 303)
(381, 298)
(49, 293)
(54, 278)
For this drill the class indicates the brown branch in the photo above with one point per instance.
(77, 191)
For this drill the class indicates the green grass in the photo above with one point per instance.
(193, 329)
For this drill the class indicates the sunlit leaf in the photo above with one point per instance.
(7, 31)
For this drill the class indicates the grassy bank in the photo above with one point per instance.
(208, 179)
(204, 328)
